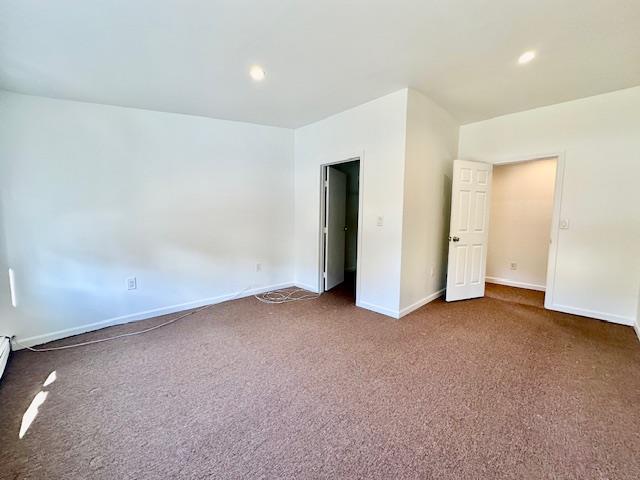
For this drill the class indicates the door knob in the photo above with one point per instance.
(454, 239)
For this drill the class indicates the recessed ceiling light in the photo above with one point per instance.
(526, 57)
(257, 73)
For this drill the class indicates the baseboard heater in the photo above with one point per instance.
(5, 349)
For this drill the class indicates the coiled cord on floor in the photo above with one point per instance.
(286, 296)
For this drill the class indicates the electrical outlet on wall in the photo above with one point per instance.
(258, 267)
(132, 283)
(514, 266)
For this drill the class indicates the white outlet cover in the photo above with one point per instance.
(564, 224)
(380, 221)
(132, 283)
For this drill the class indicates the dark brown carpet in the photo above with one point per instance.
(477, 389)
(515, 295)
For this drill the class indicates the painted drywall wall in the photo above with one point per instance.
(431, 147)
(520, 225)
(637, 325)
(95, 194)
(375, 131)
(5, 296)
(352, 171)
(598, 268)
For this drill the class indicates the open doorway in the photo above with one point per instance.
(522, 200)
(340, 207)
(512, 210)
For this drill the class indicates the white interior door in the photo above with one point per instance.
(335, 222)
(469, 229)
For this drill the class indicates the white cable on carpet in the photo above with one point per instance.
(286, 296)
(122, 335)
(274, 297)
(100, 340)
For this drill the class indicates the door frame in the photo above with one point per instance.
(323, 170)
(554, 234)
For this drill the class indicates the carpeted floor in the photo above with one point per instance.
(471, 390)
(515, 295)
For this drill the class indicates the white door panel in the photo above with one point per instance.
(336, 213)
(469, 233)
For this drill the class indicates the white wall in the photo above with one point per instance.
(598, 266)
(431, 147)
(637, 325)
(94, 194)
(520, 225)
(5, 297)
(375, 130)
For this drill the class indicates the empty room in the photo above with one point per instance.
(332, 240)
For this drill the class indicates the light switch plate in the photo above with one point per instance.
(564, 224)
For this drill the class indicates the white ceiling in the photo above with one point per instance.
(321, 56)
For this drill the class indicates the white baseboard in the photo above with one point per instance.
(309, 288)
(512, 283)
(636, 326)
(378, 309)
(609, 317)
(420, 303)
(49, 337)
(389, 312)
